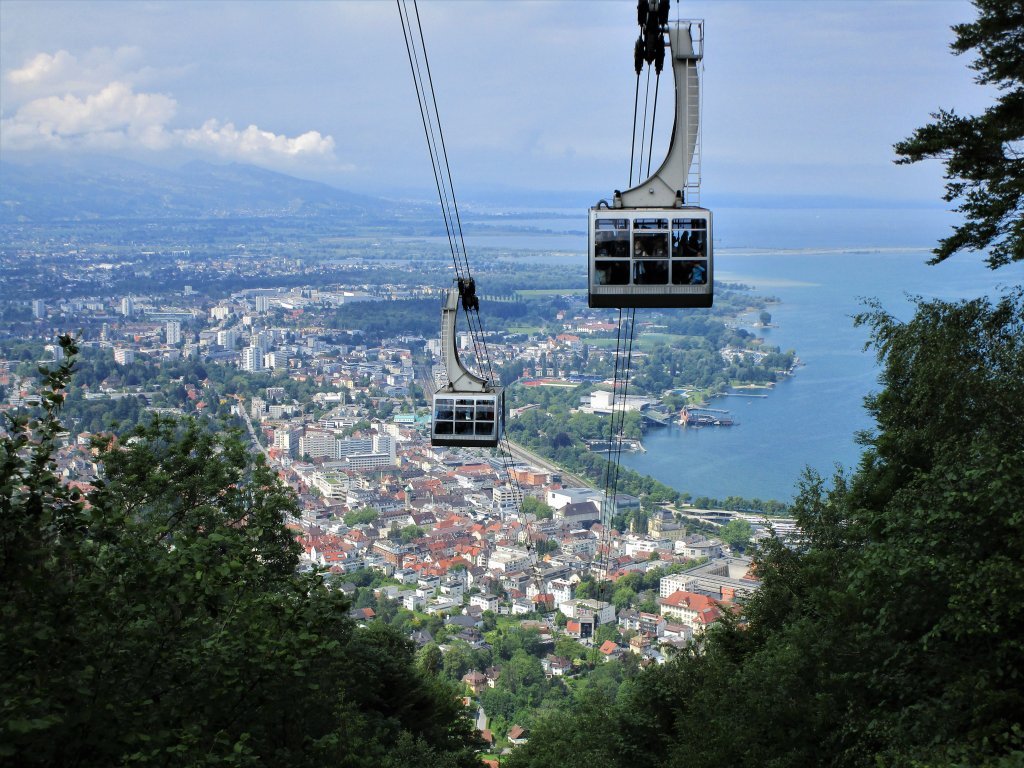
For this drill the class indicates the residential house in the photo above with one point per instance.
(690, 608)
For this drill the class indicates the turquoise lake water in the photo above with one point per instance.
(811, 418)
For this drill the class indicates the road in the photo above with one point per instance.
(252, 433)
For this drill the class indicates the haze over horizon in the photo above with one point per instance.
(801, 100)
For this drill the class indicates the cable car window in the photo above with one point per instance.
(689, 273)
(689, 223)
(612, 272)
(485, 411)
(485, 428)
(444, 428)
(464, 410)
(650, 246)
(650, 224)
(650, 272)
(445, 410)
(611, 238)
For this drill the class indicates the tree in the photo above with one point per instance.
(898, 607)
(736, 533)
(983, 154)
(362, 516)
(164, 621)
(534, 506)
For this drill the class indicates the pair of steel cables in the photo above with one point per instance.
(649, 51)
(419, 64)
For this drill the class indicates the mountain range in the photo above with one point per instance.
(109, 188)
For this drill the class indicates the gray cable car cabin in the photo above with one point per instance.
(648, 248)
(650, 257)
(468, 411)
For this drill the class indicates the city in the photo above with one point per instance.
(451, 545)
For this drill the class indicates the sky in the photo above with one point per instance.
(802, 99)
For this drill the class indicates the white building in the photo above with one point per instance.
(275, 360)
(559, 498)
(226, 338)
(601, 402)
(506, 498)
(128, 306)
(318, 445)
(331, 485)
(509, 559)
(173, 332)
(287, 439)
(728, 577)
(124, 356)
(578, 609)
(252, 359)
(38, 309)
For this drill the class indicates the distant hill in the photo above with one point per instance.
(121, 189)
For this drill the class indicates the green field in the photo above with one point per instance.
(526, 329)
(645, 342)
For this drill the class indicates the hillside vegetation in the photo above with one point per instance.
(159, 620)
(894, 633)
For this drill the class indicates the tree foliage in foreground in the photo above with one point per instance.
(984, 154)
(893, 634)
(160, 620)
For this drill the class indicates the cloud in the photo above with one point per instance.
(112, 118)
(63, 73)
(253, 142)
(41, 67)
(72, 111)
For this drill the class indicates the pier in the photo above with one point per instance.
(705, 417)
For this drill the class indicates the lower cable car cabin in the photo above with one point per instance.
(469, 411)
(468, 419)
(650, 257)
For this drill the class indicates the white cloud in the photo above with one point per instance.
(70, 110)
(253, 142)
(116, 109)
(63, 73)
(41, 67)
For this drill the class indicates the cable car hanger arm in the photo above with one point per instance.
(664, 189)
(460, 379)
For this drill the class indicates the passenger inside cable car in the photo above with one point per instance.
(649, 258)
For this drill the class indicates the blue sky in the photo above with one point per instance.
(801, 98)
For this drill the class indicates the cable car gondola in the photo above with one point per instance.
(648, 248)
(468, 411)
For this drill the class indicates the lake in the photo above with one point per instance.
(820, 264)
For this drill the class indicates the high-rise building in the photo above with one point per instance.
(226, 338)
(252, 359)
(318, 445)
(275, 360)
(262, 340)
(39, 309)
(287, 439)
(128, 306)
(262, 303)
(173, 331)
(124, 356)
